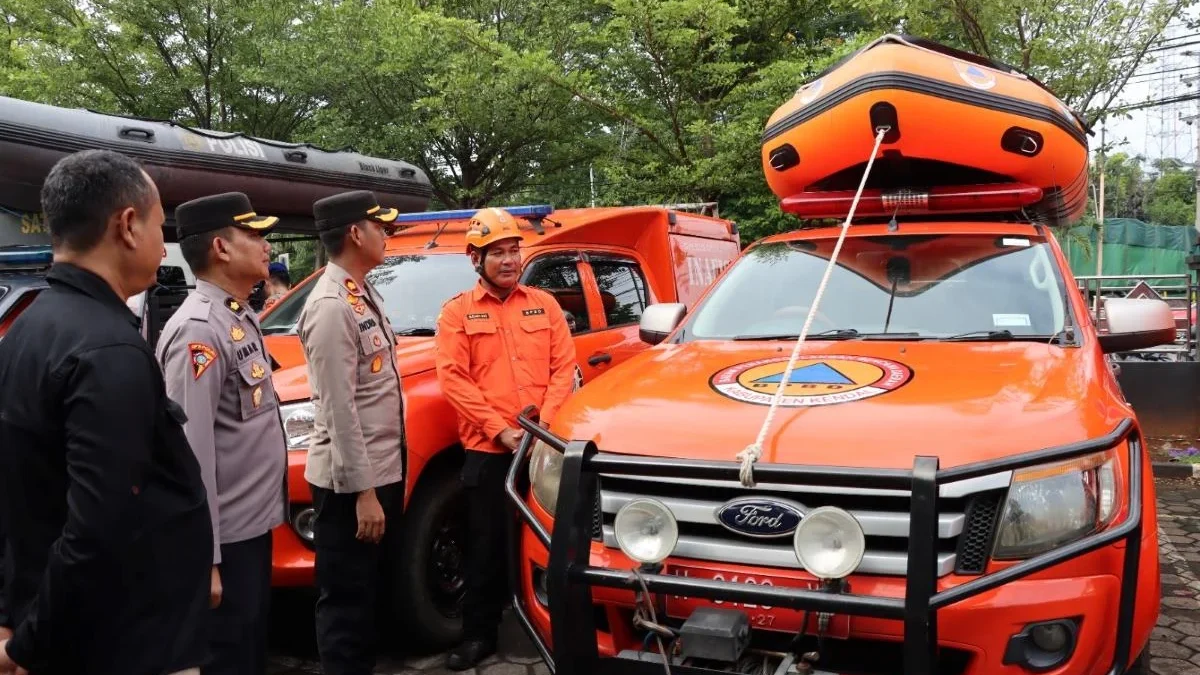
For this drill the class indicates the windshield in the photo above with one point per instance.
(413, 287)
(928, 286)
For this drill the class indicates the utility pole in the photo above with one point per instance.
(1100, 210)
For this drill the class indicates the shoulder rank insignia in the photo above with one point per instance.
(257, 395)
(203, 356)
(233, 305)
(257, 370)
(236, 333)
(353, 287)
(353, 299)
(377, 364)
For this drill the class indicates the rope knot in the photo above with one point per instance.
(748, 457)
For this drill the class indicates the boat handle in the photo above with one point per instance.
(1029, 145)
(407, 173)
(296, 156)
(138, 133)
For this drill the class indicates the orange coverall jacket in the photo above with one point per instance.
(495, 357)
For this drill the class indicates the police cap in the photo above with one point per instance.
(350, 207)
(228, 209)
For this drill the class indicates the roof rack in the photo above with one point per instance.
(702, 208)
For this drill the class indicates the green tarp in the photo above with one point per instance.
(1131, 247)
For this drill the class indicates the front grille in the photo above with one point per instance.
(883, 514)
(974, 547)
(597, 520)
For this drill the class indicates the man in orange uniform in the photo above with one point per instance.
(501, 347)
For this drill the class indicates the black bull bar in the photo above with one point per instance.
(570, 577)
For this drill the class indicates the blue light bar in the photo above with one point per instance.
(533, 211)
(27, 255)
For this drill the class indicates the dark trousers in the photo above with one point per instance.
(238, 645)
(351, 578)
(486, 573)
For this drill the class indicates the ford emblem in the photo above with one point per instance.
(759, 517)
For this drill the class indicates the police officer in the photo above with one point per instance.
(217, 368)
(497, 322)
(355, 462)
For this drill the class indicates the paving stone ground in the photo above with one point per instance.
(1175, 645)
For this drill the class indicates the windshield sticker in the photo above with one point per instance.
(1014, 241)
(1011, 320)
(814, 381)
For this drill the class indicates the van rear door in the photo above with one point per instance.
(701, 249)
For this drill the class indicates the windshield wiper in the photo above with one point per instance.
(1005, 335)
(415, 332)
(831, 334)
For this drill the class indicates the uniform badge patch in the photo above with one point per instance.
(359, 309)
(237, 333)
(256, 397)
(203, 356)
(351, 286)
(533, 312)
(233, 305)
(376, 341)
(257, 370)
(479, 316)
(352, 299)
(377, 364)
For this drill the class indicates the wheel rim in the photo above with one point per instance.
(447, 555)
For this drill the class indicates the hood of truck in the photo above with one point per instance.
(850, 403)
(413, 355)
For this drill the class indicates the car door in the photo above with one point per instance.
(620, 290)
(559, 274)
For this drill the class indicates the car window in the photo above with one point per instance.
(622, 290)
(413, 287)
(558, 275)
(935, 286)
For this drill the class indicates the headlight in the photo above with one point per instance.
(829, 543)
(298, 421)
(1054, 504)
(646, 530)
(545, 472)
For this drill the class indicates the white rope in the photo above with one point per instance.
(754, 451)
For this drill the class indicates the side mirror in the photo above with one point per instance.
(659, 320)
(1136, 323)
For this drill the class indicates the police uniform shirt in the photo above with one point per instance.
(350, 349)
(217, 368)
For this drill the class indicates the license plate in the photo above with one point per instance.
(761, 616)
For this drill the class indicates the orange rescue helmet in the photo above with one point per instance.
(490, 226)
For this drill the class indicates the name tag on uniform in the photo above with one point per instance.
(483, 315)
(366, 325)
(533, 312)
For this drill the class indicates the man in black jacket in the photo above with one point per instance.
(109, 541)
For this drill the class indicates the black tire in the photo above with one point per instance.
(428, 578)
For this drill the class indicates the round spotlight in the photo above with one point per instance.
(303, 523)
(646, 530)
(1050, 637)
(829, 543)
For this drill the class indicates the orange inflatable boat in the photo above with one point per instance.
(963, 134)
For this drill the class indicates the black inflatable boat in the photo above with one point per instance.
(281, 179)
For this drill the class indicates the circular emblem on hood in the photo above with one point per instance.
(822, 380)
(759, 517)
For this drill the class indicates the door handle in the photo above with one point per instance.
(597, 359)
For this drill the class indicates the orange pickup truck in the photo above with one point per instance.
(953, 482)
(605, 266)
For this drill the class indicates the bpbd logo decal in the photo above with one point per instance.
(816, 380)
(759, 517)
